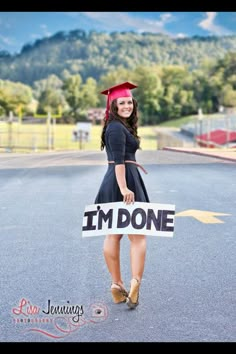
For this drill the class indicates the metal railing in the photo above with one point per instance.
(202, 127)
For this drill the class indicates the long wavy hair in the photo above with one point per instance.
(130, 123)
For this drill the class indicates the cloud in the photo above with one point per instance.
(4, 24)
(121, 21)
(181, 35)
(158, 25)
(35, 35)
(7, 40)
(45, 30)
(208, 25)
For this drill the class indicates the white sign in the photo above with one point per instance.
(119, 218)
(84, 126)
(82, 132)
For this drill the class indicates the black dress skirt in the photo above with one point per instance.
(121, 145)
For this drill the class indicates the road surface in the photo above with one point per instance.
(188, 288)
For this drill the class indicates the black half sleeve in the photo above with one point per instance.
(117, 141)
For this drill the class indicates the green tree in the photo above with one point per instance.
(72, 91)
(13, 95)
(149, 92)
(50, 100)
(89, 94)
(50, 95)
(228, 96)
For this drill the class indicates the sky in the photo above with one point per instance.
(20, 28)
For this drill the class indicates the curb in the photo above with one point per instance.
(201, 154)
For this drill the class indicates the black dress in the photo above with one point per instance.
(121, 145)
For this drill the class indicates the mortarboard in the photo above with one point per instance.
(121, 90)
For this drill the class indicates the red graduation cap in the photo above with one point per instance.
(121, 90)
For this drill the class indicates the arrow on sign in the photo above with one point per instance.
(206, 217)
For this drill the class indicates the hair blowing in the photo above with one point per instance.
(130, 123)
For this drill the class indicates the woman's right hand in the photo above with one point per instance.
(128, 195)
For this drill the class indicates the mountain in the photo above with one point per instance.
(94, 53)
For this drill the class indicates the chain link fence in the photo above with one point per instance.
(218, 130)
(33, 134)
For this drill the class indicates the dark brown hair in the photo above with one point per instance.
(130, 123)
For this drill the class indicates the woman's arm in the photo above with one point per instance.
(121, 180)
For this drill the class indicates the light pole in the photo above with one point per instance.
(200, 120)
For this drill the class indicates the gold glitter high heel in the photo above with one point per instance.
(119, 294)
(133, 297)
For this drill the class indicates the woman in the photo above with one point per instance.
(122, 182)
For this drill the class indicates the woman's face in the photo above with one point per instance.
(125, 106)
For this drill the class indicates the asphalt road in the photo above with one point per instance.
(188, 289)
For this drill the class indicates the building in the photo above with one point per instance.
(96, 115)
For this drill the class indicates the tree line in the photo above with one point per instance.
(93, 54)
(164, 92)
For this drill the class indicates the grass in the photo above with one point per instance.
(177, 123)
(34, 137)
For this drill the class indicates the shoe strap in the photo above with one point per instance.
(138, 281)
(121, 288)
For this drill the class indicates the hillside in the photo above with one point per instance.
(93, 54)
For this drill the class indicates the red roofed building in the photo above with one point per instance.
(217, 138)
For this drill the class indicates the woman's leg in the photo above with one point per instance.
(137, 260)
(111, 250)
(137, 255)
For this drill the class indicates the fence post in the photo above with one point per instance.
(53, 132)
(195, 131)
(49, 130)
(227, 117)
(10, 120)
(208, 132)
(80, 139)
